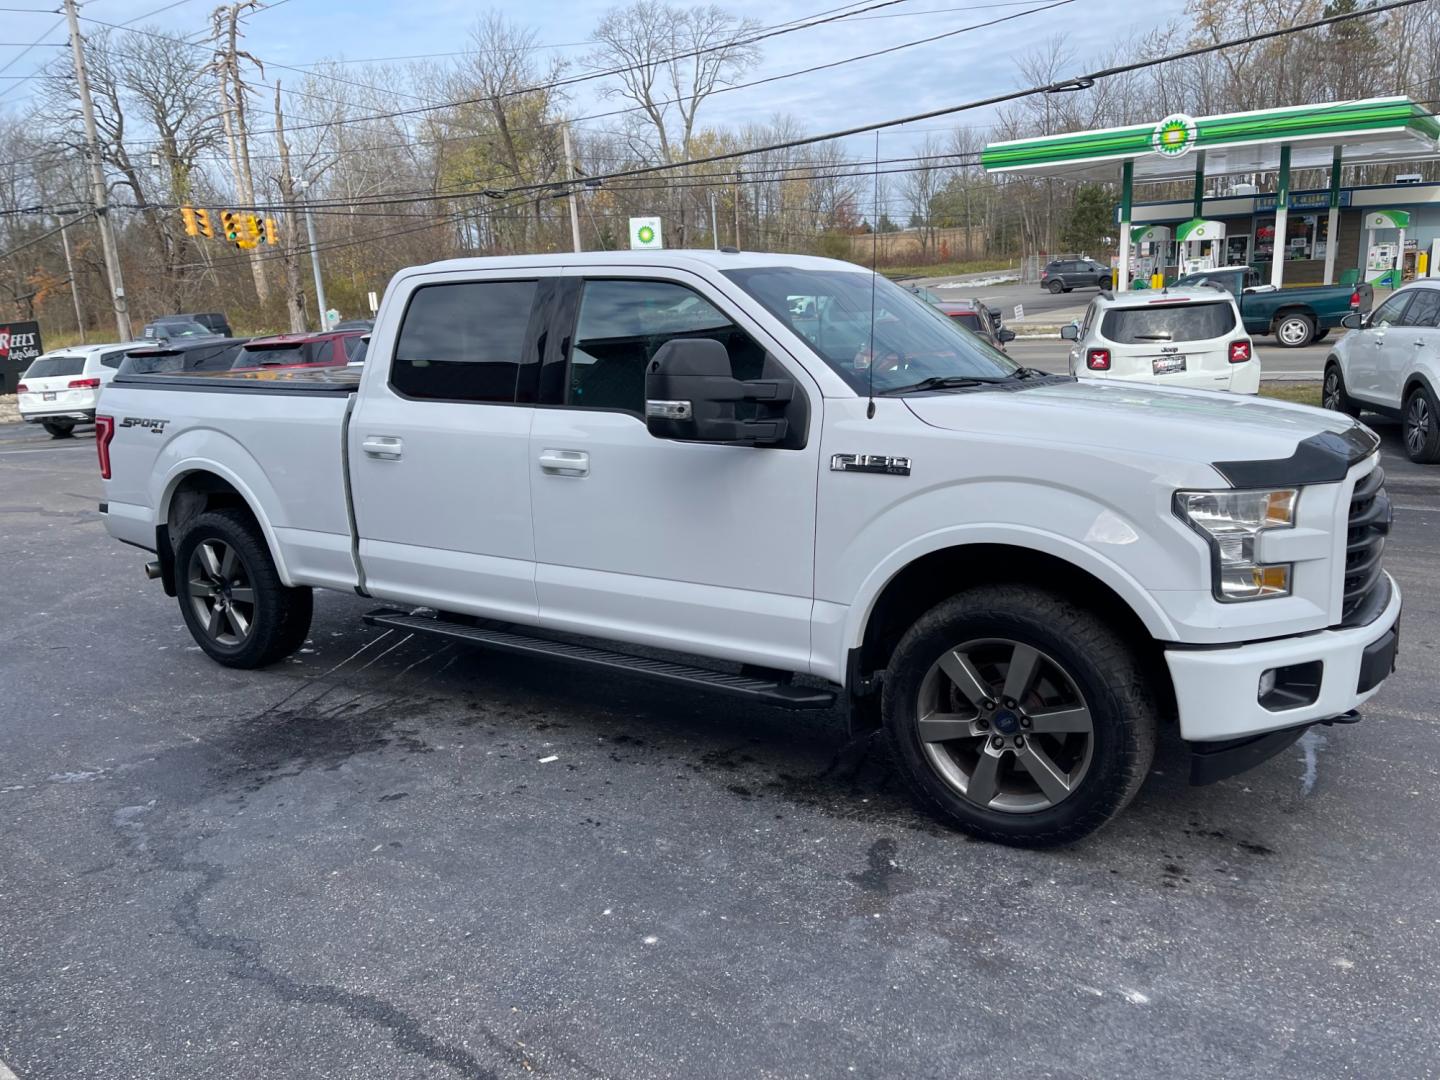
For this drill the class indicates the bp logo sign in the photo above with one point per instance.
(645, 233)
(1174, 136)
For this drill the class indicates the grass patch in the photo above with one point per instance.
(946, 269)
(1303, 393)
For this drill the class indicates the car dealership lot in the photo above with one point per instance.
(397, 858)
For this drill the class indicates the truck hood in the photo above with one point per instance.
(1252, 442)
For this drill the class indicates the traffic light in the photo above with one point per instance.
(230, 225)
(202, 222)
(249, 231)
(187, 215)
(272, 234)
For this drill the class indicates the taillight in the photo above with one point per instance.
(104, 432)
(84, 384)
(1098, 359)
(22, 389)
(1239, 352)
(1355, 300)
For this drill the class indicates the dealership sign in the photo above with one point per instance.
(19, 344)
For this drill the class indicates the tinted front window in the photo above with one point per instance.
(464, 342)
(1423, 310)
(624, 323)
(49, 367)
(969, 321)
(830, 310)
(1167, 322)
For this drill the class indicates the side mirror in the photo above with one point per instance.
(1005, 335)
(1353, 321)
(690, 395)
(997, 315)
(1071, 332)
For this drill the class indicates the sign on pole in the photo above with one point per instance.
(374, 303)
(645, 234)
(1019, 311)
(19, 344)
(332, 317)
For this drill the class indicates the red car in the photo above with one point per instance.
(979, 319)
(332, 348)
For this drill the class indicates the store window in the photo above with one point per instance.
(1302, 238)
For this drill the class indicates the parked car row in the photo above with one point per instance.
(61, 389)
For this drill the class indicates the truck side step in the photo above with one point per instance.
(777, 690)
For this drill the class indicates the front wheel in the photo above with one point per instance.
(1104, 284)
(1422, 426)
(231, 597)
(59, 431)
(1294, 331)
(1332, 392)
(1019, 716)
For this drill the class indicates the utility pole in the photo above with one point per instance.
(739, 178)
(294, 295)
(233, 92)
(714, 228)
(74, 288)
(97, 182)
(570, 187)
(303, 185)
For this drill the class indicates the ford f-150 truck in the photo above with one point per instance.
(798, 484)
(1295, 315)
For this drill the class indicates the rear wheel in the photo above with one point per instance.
(1422, 426)
(1294, 330)
(1332, 392)
(1018, 716)
(58, 430)
(231, 596)
(1056, 286)
(1104, 284)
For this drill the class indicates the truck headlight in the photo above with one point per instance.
(1231, 522)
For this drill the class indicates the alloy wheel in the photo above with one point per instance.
(1293, 332)
(1330, 396)
(1418, 420)
(1005, 726)
(221, 593)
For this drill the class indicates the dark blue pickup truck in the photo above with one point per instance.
(1295, 316)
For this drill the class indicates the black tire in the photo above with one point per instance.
(1332, 391)
(58, 431)
(1320, 335)
(1056, 286)
(1104, 284)
(278, 617)
(1294, 330)
(1101, 667)
(1420, 425)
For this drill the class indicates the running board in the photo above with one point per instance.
(778, 690)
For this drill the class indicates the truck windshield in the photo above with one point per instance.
(830, 310)
(1168, 322)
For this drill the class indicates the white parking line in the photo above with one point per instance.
(38, 450)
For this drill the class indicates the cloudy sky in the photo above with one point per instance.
(973, 64)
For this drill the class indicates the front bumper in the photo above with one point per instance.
(1217, 689)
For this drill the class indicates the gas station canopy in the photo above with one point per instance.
(1378, 130)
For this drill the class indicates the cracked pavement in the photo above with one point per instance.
(363, 863)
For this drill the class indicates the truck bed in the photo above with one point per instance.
(280, 435)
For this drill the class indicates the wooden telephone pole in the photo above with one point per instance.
(225, 22)
(294, 294)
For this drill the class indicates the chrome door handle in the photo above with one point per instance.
(384, 447)
(565, 462)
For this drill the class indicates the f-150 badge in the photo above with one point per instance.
(871, 463)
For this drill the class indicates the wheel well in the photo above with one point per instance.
(941, 574)
(1410, 385)
(1287, 311)
(197, 493)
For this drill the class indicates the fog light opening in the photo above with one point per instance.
(1291, 687)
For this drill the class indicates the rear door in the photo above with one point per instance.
(1415, 337)
(678, 544)
(439, 448)
(1362, 375)
(1186, 342)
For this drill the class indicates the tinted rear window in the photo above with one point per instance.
(463, 341)
(1167, 322)
(48, 367)
(147, 362)
(301, 352)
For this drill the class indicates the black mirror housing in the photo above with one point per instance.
(1005, 335)
(1353, 321)
(690, 395)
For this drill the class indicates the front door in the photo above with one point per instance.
(685, 545)
(439, 447)
(1363, 377)
(1416, 336)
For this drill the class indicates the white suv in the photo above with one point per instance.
(1189, 338)
(1390, 364)
(61, 389)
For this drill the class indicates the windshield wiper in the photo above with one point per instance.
(938, 382)
(1028, 373)
(1154, 337)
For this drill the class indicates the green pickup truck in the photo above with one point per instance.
(1295, 316)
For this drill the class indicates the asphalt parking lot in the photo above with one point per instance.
(392, 858)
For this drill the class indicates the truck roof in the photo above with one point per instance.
(674, 258)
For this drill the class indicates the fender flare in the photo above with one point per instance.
(188, 466)
(1157, 623)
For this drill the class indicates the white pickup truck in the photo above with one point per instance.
(775, 467)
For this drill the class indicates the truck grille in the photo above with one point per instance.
(1370, 517)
